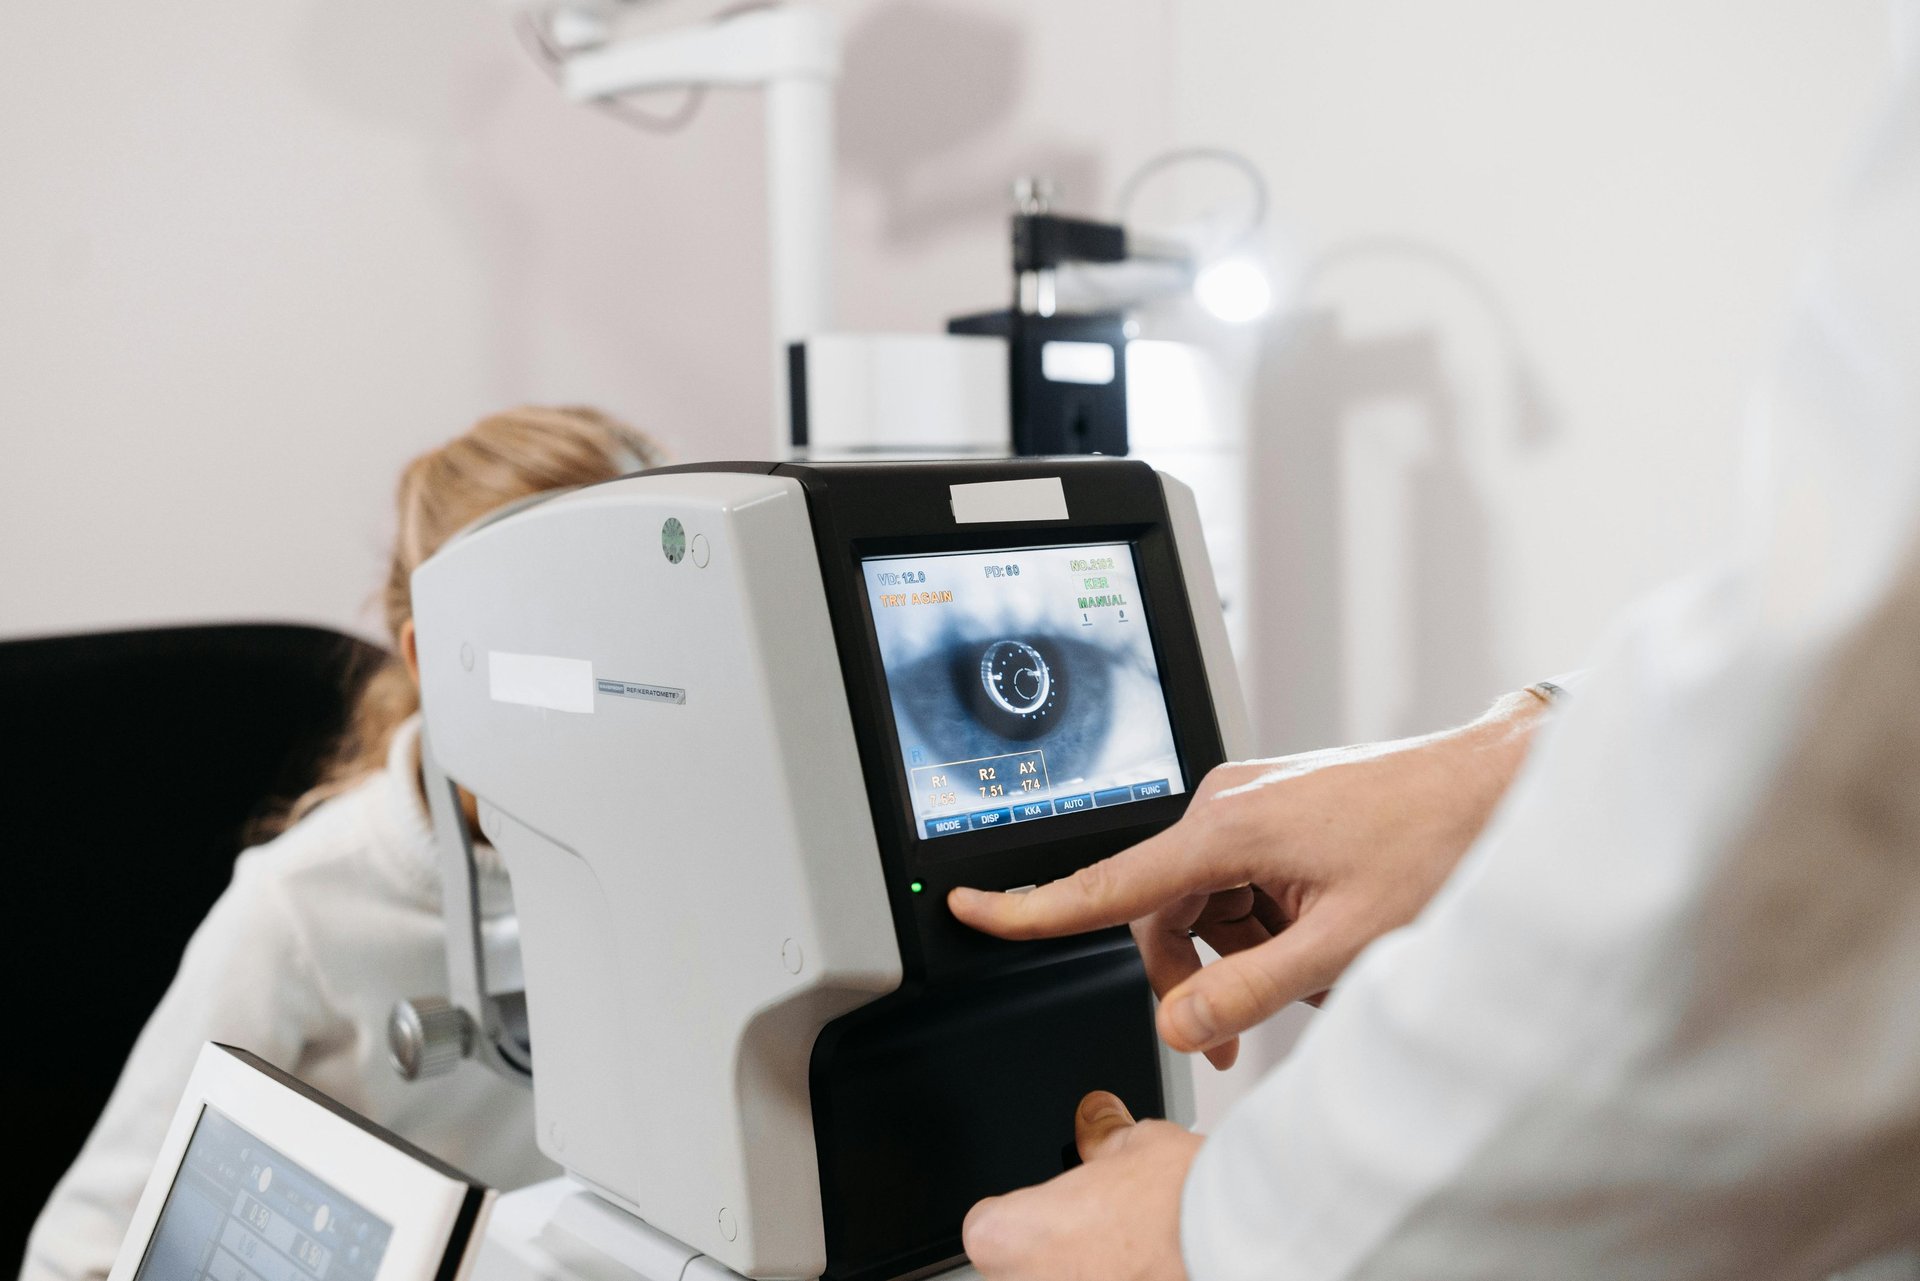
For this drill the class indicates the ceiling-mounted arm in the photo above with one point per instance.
(792, 52)
(793, 41)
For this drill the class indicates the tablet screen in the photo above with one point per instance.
(241, 1211)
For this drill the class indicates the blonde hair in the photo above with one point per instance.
(500, 459)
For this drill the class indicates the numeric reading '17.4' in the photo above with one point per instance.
(1092, 565)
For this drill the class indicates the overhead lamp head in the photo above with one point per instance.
(1235, 290)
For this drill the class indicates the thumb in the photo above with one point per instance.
(1100, 1124)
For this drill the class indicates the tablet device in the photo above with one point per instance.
(263, 1178)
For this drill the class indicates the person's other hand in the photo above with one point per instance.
(1286, 868)
(1116, 1217)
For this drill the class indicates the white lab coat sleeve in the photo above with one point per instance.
(1600, 1053)
(1661, 1022)
(246, 980)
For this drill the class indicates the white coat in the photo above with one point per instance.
(300, 960)
(1664, 1023)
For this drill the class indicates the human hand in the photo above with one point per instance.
(1115, 1217)
(1287, 868)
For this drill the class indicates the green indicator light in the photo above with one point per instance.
(916, 887)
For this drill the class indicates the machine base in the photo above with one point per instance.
(560, 1231)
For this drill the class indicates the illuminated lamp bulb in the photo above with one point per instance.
(1235, 290)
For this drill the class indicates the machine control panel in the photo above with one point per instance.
(1027, 686)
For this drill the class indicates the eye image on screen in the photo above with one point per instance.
(1023, 684)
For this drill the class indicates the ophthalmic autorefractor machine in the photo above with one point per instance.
(736, 730)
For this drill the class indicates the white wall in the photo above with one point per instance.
(253, 255)
(1548, 246)
(256, 253)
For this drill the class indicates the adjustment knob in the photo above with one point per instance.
(427, 1036)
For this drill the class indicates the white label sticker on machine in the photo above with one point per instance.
(540, 680)
(1039, 498)
(645, 693)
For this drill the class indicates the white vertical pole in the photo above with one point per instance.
(792, 51)
(800, 171)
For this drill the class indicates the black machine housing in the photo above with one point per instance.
(963, 1083)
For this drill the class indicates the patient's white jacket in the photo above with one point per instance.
(321, 931)
(1665, 1020)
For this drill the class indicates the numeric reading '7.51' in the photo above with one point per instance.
(990, 778)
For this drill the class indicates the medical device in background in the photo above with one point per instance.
(600, 52)
(1059, 370)
(1047, 375)
(1050, 373)
(261, 1178)
(736, 730)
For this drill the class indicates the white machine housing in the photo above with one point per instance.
(666, 1078)
(641, 683)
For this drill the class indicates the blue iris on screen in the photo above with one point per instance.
(1052, 692)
